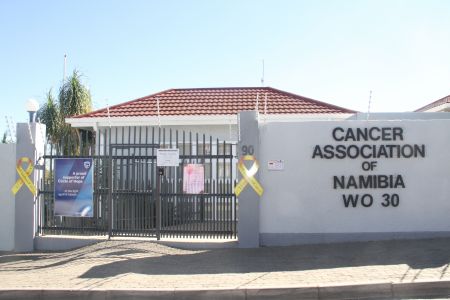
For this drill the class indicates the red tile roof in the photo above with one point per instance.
(434, 104)
(217, 101)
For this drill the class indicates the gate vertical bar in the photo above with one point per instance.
(158, 194)
(178, 190)
(110, 190)
(169, 190)
(196, 202)
(211, 211)
(158, 204)
(147, 202)
(153, 172)
(202, 196)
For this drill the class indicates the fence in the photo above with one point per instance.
(131, 198)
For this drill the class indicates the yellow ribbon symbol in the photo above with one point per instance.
(247, 176)
(23, 174)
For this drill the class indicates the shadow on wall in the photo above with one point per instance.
(417, 254)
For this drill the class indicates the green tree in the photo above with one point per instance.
(73, 99)
(50, 116)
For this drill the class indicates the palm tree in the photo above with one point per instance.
(73, 99)
(49, 115)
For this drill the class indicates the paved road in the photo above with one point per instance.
(121, 264)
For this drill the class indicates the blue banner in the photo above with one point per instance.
(73, 187)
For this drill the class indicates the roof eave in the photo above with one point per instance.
(195, 120)
(437, 108)
(151, 121)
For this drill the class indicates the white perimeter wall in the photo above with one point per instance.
(8, 177)
(301, 198)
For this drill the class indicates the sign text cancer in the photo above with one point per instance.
(369, 144)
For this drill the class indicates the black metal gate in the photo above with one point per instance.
(143, 202)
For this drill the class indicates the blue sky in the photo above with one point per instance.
(333, 51)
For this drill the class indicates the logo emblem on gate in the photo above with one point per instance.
(87, 164)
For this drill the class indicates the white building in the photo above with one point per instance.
(207, 116)
(212, 111)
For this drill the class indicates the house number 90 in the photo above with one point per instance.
(247, 150)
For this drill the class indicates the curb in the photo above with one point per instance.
(356, 291)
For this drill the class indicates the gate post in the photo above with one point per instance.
(248, 212)
(30, 145)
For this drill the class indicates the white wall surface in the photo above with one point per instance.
(221, 132)
(301, 198)
(8, 177)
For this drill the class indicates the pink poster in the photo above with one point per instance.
(193, 179)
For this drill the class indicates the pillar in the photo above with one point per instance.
(30, 143)
(248, 212)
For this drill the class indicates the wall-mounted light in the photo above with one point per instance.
(32, 107)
